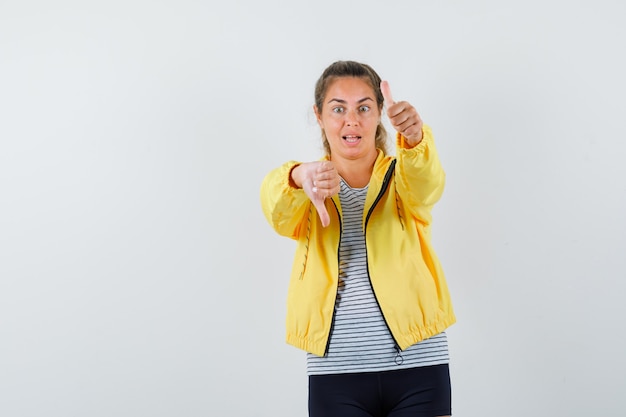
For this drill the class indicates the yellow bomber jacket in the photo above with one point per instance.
(404, 271)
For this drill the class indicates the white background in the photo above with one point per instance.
(138, 276)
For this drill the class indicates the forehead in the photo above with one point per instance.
(350, 88)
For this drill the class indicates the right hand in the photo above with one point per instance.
(319, 180)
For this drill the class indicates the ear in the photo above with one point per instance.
(318, 116)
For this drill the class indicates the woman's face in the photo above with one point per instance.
(349, 118)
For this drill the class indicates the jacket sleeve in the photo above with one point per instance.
(420, 178)
(285, 207)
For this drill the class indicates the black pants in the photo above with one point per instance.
(416, 392)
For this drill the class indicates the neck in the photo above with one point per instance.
(356, 172)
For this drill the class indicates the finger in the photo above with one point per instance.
(325, 167)
(384, 88)
(322, 212)
(412, 130)
(406, 119)
(326, 177)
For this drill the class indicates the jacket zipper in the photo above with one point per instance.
(386, 181)
(332, 320)
(398, 359)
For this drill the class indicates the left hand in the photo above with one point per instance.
(403, 117)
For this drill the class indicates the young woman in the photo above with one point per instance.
(367, 297)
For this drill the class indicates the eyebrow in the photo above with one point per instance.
(338, 100)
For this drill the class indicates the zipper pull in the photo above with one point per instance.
(398, 359)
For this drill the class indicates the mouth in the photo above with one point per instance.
(351, 138)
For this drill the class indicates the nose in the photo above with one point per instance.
(352, 118)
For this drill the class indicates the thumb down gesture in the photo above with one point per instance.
(319, 180)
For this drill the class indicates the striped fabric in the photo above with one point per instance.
(360, 340)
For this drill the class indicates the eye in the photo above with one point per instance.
(338, 109)
(364, 109)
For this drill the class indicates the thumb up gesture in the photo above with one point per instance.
(403, 117)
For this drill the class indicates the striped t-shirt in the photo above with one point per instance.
(360, 340)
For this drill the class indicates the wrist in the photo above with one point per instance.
(294, 179)
(408, 142)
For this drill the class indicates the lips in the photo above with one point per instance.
(351, 138)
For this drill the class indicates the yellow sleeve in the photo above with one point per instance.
(285, 207)
(420, 178)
